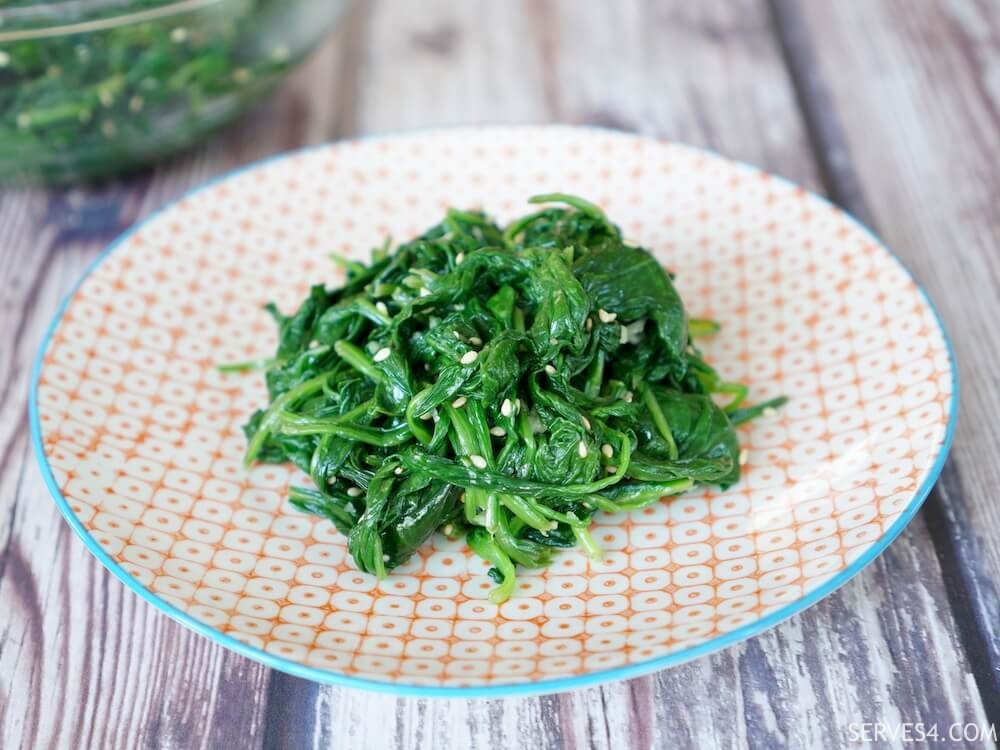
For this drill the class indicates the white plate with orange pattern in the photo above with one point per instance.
(139, 436)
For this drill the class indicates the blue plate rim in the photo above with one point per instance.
(501, 690)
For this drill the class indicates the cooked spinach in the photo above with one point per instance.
(501, 384)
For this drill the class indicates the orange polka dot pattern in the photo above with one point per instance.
(143, 434)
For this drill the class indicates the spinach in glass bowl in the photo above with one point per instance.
(89, 88)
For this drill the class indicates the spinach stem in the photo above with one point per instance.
(357, 359)
(526, 512)
(596, 379)
(267, 422)
(484, 546)
(294, 424)
(739, 391)
(703, 327)
(659, 420)
(586, 540)
(264, 363)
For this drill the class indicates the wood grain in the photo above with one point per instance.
(83, 663)
(923, 136)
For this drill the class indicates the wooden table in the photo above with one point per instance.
(890, 107)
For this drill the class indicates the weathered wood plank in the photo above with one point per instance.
(923, 135)
(83, 662)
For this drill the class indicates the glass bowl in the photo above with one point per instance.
(89, 88)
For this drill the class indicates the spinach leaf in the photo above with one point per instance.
(628, 282)
(395, 524)
(706, 445)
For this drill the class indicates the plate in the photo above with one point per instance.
(139, 435)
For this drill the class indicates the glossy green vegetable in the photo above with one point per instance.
(87, 89)
(502, 384)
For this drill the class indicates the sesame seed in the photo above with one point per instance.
(606, 317)
(382, 354)
(506, 408)
(179, 35)
(517, 404)
(611, 469)
(398, 470)
(469, 357)
(425, 292)
(586, 422)
(459, 258)
(535, 424)
(629, 396)
(136, 103)
(607, 450)
(4, 59)
(381, 307)
(106, 97)
(24, 121)
(459, 402)
(354, 491)
(554, 341)
(634, 331)
(478, 461)
(498, 431)
(475, 341)
(385, 558)
(448, 529)
(427, 415)
(590, 323)
(457, 335)
(550, 369)
(581, 449)
(622, 335)
(769, 412)
(744, 456)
